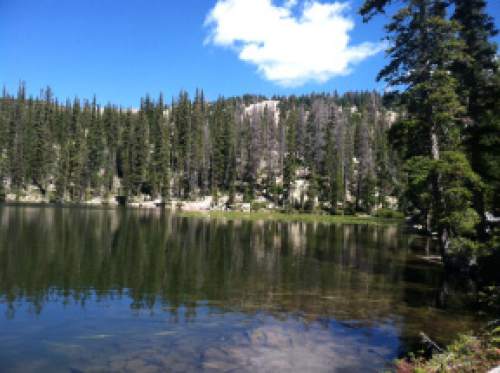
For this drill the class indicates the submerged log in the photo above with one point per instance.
(431, 346)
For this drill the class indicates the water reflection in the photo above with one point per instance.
(95, 289)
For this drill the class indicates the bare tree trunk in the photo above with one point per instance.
(434, 144)
(443, 232)
(428, 221)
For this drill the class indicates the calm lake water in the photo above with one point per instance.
(91, 290)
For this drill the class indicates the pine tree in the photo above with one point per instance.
(266, 141)
(229, 149)
(340, 165)
(124, 156)
(160, 173)
(249, 173)
(112, 133)
(430, 93)
(291, 159)
(77, 153)
(15, 149)
(95, 148)
(476, 73)
(197, 128)
(39, 147)
(329, 163)
(63, 157)
(3, 143)
(164, 162)
(349, 151)
(138, 153)
(231, 175)
(310, 142)
(384, 173)
(312, 192)
(221, 147)
(217, 135)
(183, 145)
(156, 124)
(365, 191)
(479, 80)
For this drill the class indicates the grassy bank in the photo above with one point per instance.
(468, 354)
(292, 217)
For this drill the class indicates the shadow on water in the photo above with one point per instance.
(115, 290)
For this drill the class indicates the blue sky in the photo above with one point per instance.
(121, 50)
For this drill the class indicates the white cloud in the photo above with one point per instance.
(290, 3)
(288, 49)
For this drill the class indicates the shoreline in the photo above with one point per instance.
(290, 217)
(263, 215)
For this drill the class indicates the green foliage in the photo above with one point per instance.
(480, 92)
(138, 153)
(489, 298)
(248, 195)
(388, 214)
(367, 193)
(312, 193)
(468, 353)
(418, 192)
(458, 183)
(192, 148)
(443, 87)
(484, 145)
(264, 215)
(257, 206)
(290, 161)
(95, 140)
(222, 132)
(463, 221)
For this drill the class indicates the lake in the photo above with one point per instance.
(99, 290)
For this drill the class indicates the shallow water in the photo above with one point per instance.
(144, 291)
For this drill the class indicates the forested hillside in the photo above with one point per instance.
(295, 152)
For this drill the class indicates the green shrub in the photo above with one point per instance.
(338, 211)
(349, 209)
(309, 206)
(467, 354)
(53, 197)
(389, 214)
(257, 206)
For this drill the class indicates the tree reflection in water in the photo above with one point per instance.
(317, 282)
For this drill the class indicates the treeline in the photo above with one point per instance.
(444, 70)
(246, 146)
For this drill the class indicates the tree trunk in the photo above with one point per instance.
(428, 221)
(443, 232)
(434, 144)
(444, 235)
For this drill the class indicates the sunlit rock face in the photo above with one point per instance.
(270, 105)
